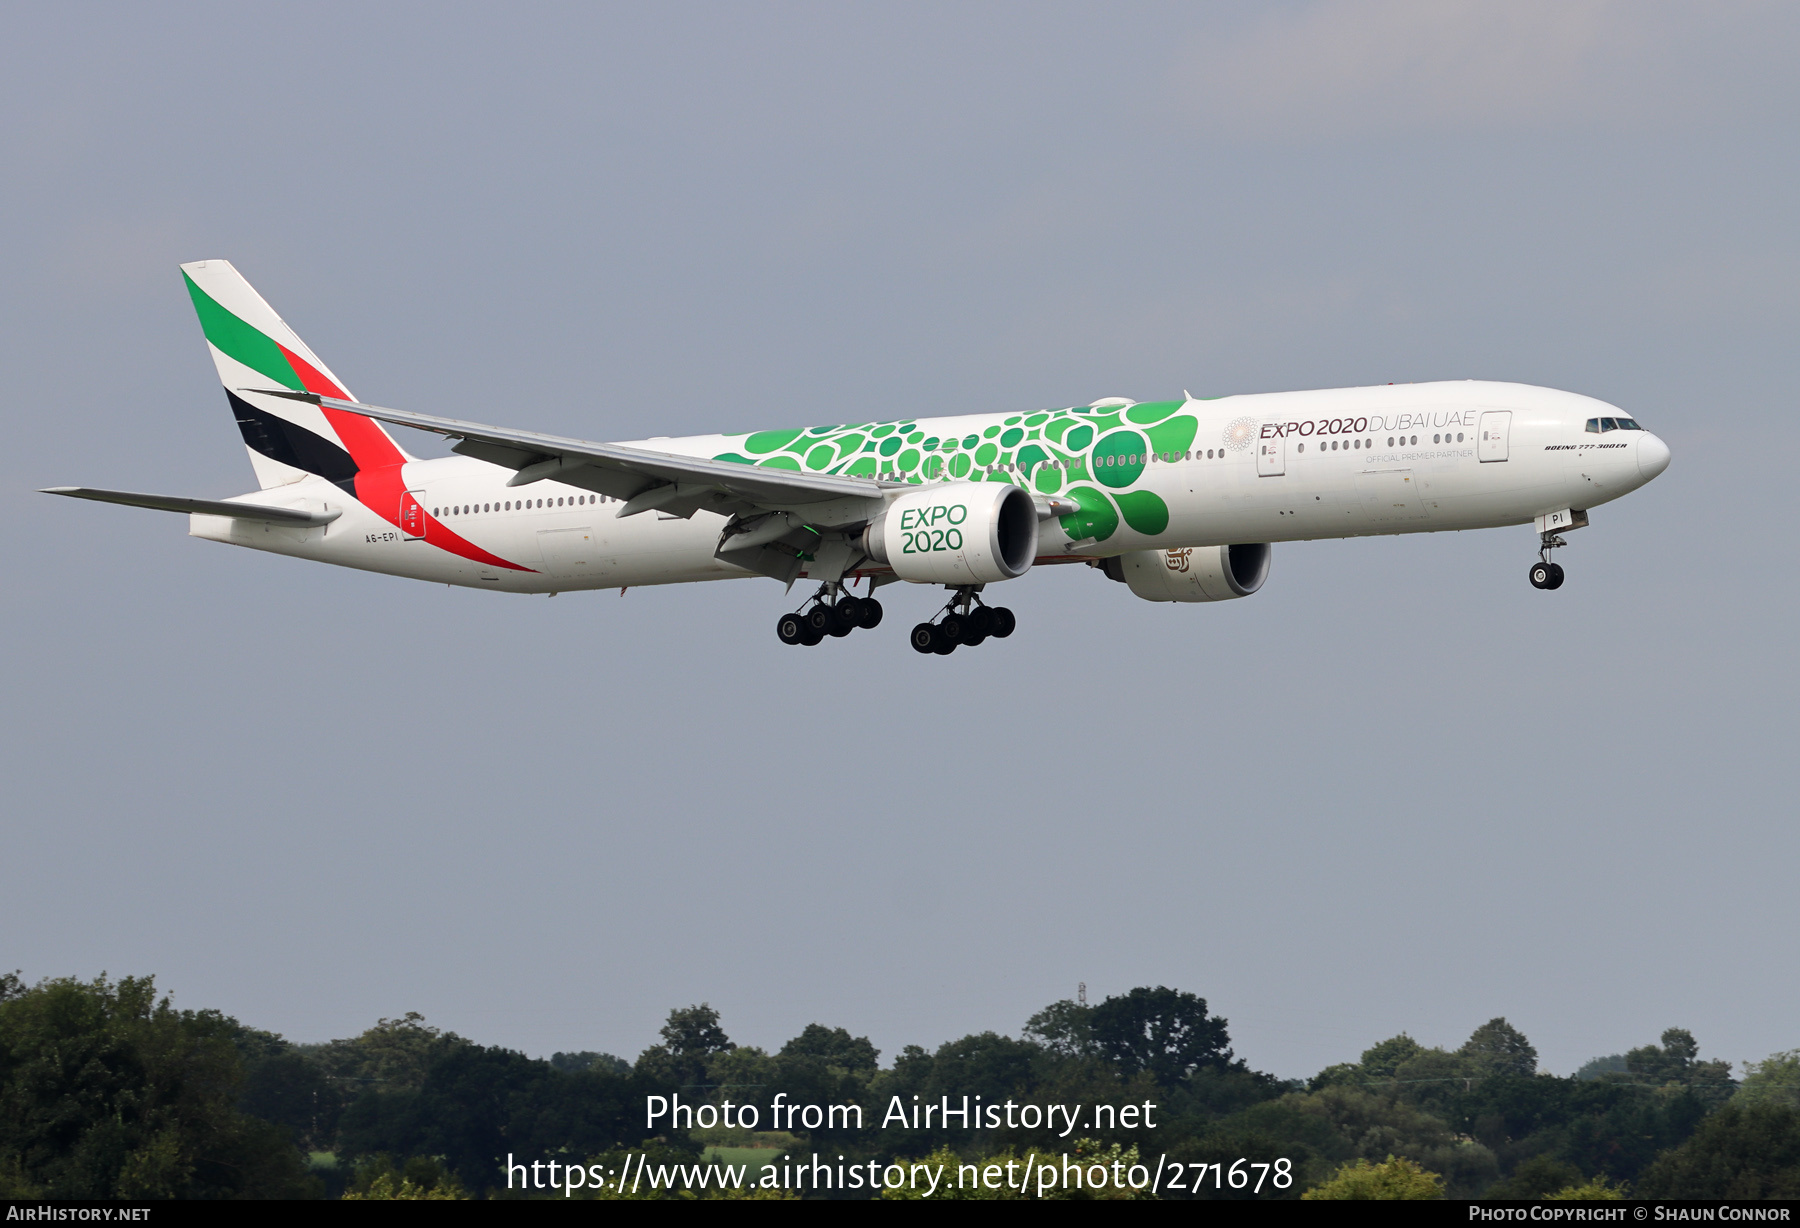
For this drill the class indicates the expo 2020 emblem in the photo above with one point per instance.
(1240, 434)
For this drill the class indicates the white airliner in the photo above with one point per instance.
(1180, 500)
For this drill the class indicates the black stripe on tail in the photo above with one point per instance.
(278, 439)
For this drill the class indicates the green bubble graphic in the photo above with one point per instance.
(1144, 512)
(959, 465)
(1048, 480)
(985, 454)
(781, 462)
(821, 457)
(768, 441)
(934, 465)
(882, 432)
(1054, 432)
(1079, 438)
(734, 458)
(930, 445)
(908, 460)
(862, 467)
(970, 441)
(1030, 456)
(1147, 412)
(1011, 437)
(1037, 419)
(1175, 435)
(891, 445)
(990, 432)
(848, 445)
(1120, 458)
(1096, 519)
(823, 430)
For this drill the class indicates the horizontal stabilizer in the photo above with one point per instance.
(206, 507)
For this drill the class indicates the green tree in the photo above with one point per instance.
(1065, 1029)
(392, 1056)
(1675, 1065)
(1774, 1080)
(107, 1091)
(1498, 1048)
(691, 1038)
(1741, 1151)
(1393, 1179)
(1380, 1061)
(1162, 1032)
(587, 1059)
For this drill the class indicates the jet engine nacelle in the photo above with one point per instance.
(1204, 573)
(956, 533)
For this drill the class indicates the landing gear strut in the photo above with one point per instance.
(1544, 573)
(965, 620)
(830, 611)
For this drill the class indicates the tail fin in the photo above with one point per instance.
(253, 348)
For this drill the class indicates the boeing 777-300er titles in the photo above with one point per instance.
(1179, 500)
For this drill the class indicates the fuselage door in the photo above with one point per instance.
(412, 516)
(1271, 458)
(1496, 424)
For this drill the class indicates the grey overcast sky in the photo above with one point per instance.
(1398, 789)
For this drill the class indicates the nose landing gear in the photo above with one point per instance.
(830, 611)
(965, 620)
(1544, 573)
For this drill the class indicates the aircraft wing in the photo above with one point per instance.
(207, 507)
(643, 479)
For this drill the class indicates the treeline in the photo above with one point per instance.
(107, 1090)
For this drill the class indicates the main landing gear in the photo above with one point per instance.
(830, 611)
(964, 621)
(1544, 573)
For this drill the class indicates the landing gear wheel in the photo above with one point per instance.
(844, 621)
(790, 630)
(924, 638)
(953, 630)
(809, 634)
(1541, 574)
(818, 619)
(981, 623)
(945, 646)
(1556, 576)
(1004, 622)
(871, 612)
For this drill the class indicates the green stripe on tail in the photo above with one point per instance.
(239, 340)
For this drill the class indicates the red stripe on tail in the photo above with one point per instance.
(380, 481)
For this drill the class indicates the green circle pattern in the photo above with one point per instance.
(1092, 457)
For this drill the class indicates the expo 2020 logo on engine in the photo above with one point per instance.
(1240, 434)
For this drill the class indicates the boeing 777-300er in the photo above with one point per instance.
(1179, 500)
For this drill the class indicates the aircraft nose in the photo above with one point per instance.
(1652, 455)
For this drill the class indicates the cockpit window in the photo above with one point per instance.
(1593, 426)
(1609, 424)
(1629, 424)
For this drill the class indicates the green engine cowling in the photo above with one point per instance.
(956, 533)
(1202, 573)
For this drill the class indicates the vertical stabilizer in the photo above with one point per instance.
(253, 348)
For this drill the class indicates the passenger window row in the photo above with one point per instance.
(1131, 458)
(516, 505)
(1348, 445)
